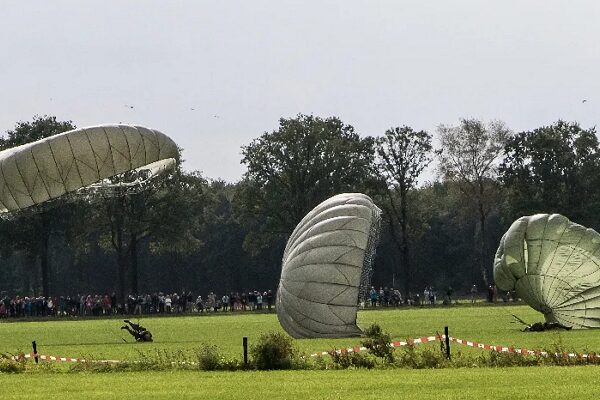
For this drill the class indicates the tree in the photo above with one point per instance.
(403, 155)
(223, 264)
(553, 168)
(292, 169)
(31, 232)
(39, 128)
(469, 156)
(164, 213)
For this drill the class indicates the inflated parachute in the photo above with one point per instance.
(553, 264)
(36, 172)
(326, 265)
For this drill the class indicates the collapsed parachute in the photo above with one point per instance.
(36, 172)
(553, 264)
(326, 264)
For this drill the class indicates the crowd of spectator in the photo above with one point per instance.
(186, 302)
(390, 297)
(154, 303)
(386, 297)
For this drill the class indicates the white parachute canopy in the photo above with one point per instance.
(36, 172)
(553, 264)
(327, 261)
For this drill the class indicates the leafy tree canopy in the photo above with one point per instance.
(39, 128)
(292, 169)
(553, 168)
(403, 154)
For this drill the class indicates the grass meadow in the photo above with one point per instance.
(102, 339)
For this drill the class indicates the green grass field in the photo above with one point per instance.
(549, 383)
(102, 339)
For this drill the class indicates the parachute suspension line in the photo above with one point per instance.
(127, 183)
(367, 268)
(525, 255)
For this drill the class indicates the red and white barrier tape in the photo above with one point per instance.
(356, 349)
(523, 351)
(497, 348)
(59, 358)
(82, 360)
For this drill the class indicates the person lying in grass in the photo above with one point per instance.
(140, 333)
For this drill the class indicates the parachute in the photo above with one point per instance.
(36, 172)
(327, 265)
(553, 264)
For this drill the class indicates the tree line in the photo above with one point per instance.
(185, 231)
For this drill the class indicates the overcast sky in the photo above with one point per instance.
(213, 75)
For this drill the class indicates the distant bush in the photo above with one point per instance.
(161, 359)
(157, 360)
(232, 364)
(345, 360)
(426, 357)
(497, 359)
(8, 366)
(378, 343)
(273, 351)
(210, 358)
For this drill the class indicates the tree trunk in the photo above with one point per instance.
(122, 266)
(401, 242)
(122, 263)
(117, 241)
(133, 267)
(44, 259)
(30, 276)
(482, 252)
(404, 249)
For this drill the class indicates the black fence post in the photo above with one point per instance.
(245, 344)
(447, 342)
(35, 353)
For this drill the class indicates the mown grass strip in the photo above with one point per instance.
(546, 383)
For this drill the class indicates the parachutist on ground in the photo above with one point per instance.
(540, 326)
(140, 333)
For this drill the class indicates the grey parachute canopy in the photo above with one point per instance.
(36, 172)
(326, 264)
(553, 264)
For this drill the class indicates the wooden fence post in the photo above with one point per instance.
(447, 342)
(35, 353)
